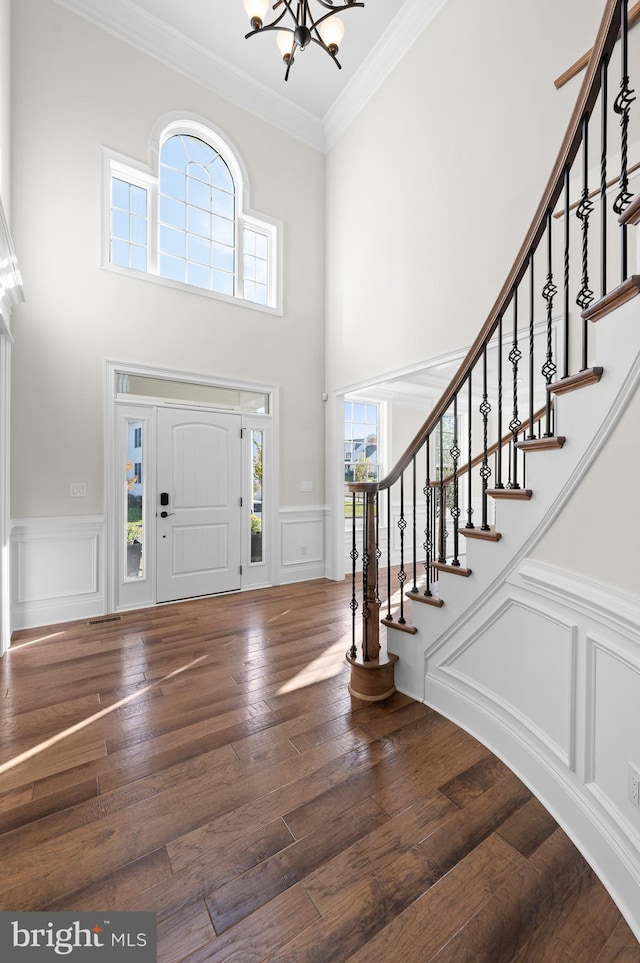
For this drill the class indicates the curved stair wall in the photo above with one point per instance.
(540, 664)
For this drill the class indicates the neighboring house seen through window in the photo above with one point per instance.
(361, 462)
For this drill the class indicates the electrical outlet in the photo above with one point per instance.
(77, 489)
(634, 785)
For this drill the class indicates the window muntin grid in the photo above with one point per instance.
(129, 225)
(197, 225)
(255, 266)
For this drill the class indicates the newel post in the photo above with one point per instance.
(372, 670)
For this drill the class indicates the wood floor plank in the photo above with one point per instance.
(338, 880)
(215, 869)
(183, 933)
(579, 927)
(118, 891)
(206, 759)
(260, 936)
(528, 828)
(232, 902)
(621, 947)
(361, 928)
(502, 926)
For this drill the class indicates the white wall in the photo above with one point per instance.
(597, 535)
(431, 190)
(5, 98)
(77, 88)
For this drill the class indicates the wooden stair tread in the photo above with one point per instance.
(541, 444)
(425, 599)
(589, 376)
(517, 494)
(400, 626)
(620, 295)
(452, 569)
(632, 213)
(487, 535)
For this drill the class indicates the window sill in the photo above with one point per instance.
(191, 289)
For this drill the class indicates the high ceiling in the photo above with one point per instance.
(205, 39)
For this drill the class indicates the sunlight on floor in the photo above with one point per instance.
(326, 666)
(43, 638)
(35, 750)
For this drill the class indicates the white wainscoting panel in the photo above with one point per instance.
(613, 739)
(302, 540)
(547, 674)
(507, 663)
(57, 569)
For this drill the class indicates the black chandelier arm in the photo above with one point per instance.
(275, 25)
(271, 26)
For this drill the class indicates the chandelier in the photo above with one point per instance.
(296, 27)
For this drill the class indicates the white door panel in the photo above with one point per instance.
(199, 468)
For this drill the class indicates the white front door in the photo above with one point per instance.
(198, 509)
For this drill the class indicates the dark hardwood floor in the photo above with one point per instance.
(205, 761)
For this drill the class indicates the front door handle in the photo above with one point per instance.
(166, 514)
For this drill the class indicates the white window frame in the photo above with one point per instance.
(146, 176)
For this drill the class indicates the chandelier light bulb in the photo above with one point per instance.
(285, 42)
(332, 32)
(256, 10)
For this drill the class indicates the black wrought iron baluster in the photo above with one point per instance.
(454, 451)
(402, 575)
(378, 549)
(366, 611)
(415, 532)
(583, 213)
(469, 460)
(442, 539)
(622, 107)
(389, 616)
(485, 470)
(604, 106)
(531, 340)
(567, 242)
(499, 451)
(428, 526)
(515, 424)
(549, 292)
(354, 606)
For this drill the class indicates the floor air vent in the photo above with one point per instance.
(107, 618)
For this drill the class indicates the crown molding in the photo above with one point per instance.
(413, 17)
(126, 21)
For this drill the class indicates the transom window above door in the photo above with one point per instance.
(186, 223)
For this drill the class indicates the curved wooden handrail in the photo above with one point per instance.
(581, 63)
(589, 90)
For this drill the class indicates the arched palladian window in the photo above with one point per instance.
(187, 223)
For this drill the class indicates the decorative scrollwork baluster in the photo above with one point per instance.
(499, 483)
(454, 451)
(622, 107)
(515, 424)
(402, 575)
(428, 529)
(485, 470)
(470, 459)
(549, 292)
(583, 213)
(354, 555)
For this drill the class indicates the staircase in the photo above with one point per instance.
(540, 665)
